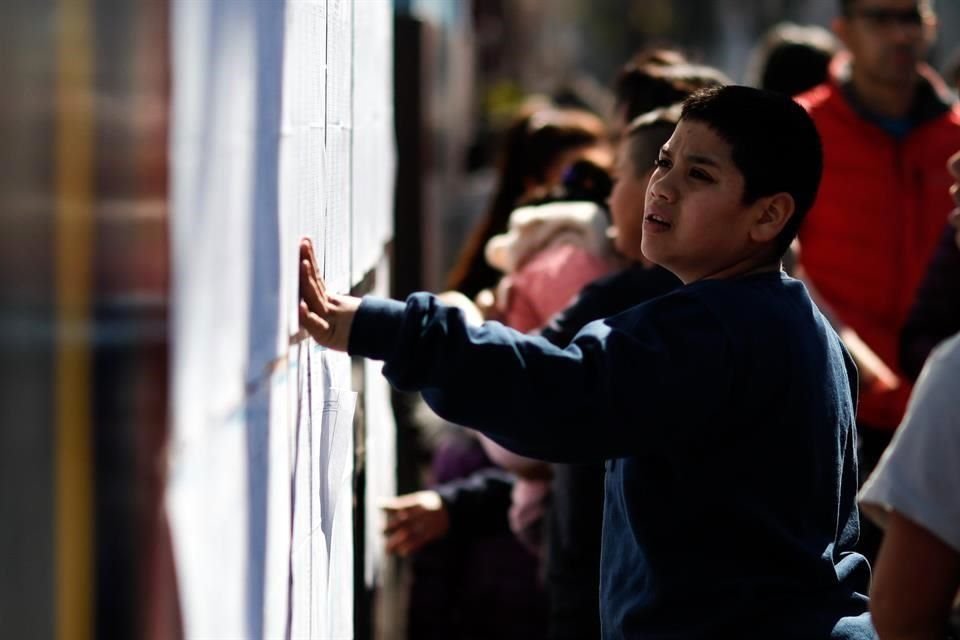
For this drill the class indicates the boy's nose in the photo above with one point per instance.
(662, 189)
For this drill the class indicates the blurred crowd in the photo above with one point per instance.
(504, 546)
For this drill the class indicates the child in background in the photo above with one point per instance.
(724, 410)
(552, 250)
(538, 148)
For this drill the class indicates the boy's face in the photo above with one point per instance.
(627, 205)
(696, 224)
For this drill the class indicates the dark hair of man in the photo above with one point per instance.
(792, 58)
(647, 133)
(846, 6)
(774, 144)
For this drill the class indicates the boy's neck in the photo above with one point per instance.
(747, 266)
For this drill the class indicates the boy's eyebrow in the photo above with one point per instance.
(694, 159)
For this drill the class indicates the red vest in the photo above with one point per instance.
(866, 243)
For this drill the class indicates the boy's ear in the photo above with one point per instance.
(775, 212)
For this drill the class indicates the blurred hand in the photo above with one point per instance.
(486, 301)
(414, 520)
(528, 504)
(521, 466)
(874, 373)
(456, 299)
(327, 317)
(954, 166)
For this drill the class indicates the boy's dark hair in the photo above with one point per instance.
(774, 144)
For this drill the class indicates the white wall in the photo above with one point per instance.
(282, 128)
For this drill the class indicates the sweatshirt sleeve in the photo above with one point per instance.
(479, 503)
(622, 384)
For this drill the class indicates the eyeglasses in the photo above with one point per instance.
(889, 17)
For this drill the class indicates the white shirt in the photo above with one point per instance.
(919, 474)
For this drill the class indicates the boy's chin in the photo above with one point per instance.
(649, 251)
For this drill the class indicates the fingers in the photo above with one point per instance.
(307, 254)
(411, 531)
(314, 324)
(398, 526)
(405, 543)
(955, 221)
(400, 502)
(311, 289)
(306, 251)
(955, 193)
(953, 164)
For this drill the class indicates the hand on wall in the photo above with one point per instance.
(327, 317)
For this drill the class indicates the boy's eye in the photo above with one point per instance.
(661, 163)
(700, 174)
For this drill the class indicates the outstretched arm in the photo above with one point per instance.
(623, 384)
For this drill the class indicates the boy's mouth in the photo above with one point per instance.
(657, 221)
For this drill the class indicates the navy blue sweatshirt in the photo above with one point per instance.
(725, 411)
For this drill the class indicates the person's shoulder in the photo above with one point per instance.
(943, 364)
(627, 287)
(933, 408)
(763, 306)
(732, 293)
(674, 311)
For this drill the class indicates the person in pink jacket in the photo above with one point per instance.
(549, 254)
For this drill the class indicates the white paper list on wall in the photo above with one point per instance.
(302, 141)
(226, 317)
(279, 508)
(336, 235)
(267, 134)
(337, 165)
(212, 159)
(206, 492)
(373, 156)
(336, 518)
(301, 545)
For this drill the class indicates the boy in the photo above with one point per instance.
(724, 409)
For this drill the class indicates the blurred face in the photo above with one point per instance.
(627, 205)
(887, 38)
(695, 222)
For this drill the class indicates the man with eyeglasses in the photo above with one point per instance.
(888, 125)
